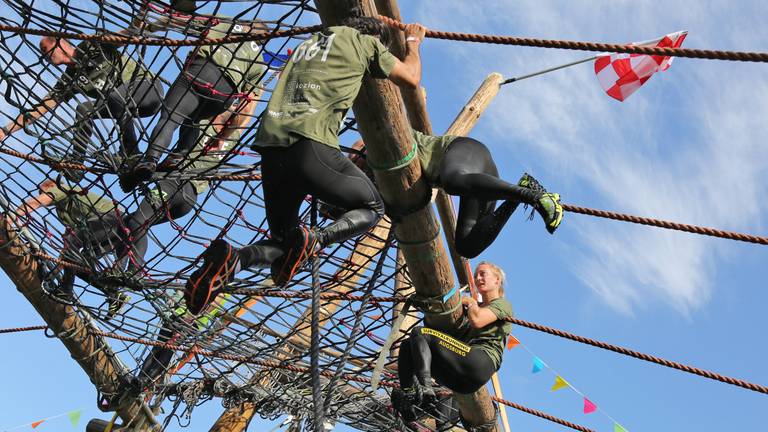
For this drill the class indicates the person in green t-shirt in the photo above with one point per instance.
(90, 220)
(299, 146)
(212, 78)
(119, 88)
(463, 364)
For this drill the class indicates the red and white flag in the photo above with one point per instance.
(620, 75)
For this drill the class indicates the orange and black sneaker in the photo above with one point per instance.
(213, 276)
(300, 245)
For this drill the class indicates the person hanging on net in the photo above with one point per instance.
(118, 88)
(464, 363)
(213, 77)
(88, 218)
(299, 146)
(173, 198)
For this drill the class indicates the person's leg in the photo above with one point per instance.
(478, 224)
(156, 364)
(331, 177)
(282, 199)
(82, 130)
(405, 369)
(468, 170)
(405, 398)
(128, 101)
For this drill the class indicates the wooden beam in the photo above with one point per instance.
(91, 352)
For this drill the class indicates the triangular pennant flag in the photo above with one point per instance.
(589, 407)
(37, 423)
(618, 428)
(512, 342)
(559, 383)
(538, 365)
(74, 417)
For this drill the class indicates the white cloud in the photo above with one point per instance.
(687, 147)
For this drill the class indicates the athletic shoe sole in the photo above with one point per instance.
(288, 265)
(211, 277)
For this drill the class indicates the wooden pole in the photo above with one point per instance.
(91, 352)
(386, 132)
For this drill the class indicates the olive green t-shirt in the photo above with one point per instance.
(318, 86)
(205, 158)
(491, 337)
(98, 68)
(431, 150)
(242, 62)
(73, 208)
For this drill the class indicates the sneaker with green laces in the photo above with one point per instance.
(551, 210)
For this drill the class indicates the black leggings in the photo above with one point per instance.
(156, 364)
(430, 354)
(172, 198)
(187, 103)
(144, 100)
(468, 171)
(289, 174)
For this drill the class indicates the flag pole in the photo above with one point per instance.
(574, 63)
(545, 71)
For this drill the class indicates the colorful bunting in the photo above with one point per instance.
(74, 417)
(559, 383)
(37, 423)
(538, 365)
(589, 407)
(618, 428)
(512, 342)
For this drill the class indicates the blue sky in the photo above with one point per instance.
(686, 147)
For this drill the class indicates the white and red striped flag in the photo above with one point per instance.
(620, 75)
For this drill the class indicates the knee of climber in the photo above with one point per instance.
(465, 247)
(83, 110)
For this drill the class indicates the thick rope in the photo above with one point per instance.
(589, 46)
(642, 356)
(22, 329)
(667, 225)
(435, 34)
(543, 415)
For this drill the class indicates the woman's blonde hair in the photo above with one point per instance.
(499, 273)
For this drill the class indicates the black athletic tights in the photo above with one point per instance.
(141, 98)
(468, 171)
(188, 102)
(308, 167)
(172, 198)
(428, 353)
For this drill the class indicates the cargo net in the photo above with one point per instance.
(61, 196)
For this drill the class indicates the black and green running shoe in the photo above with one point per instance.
(551, 210)
(547, 205)
(116, 304)
(527, 181)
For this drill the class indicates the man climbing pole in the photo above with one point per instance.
(120, 88)
(299, 146)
